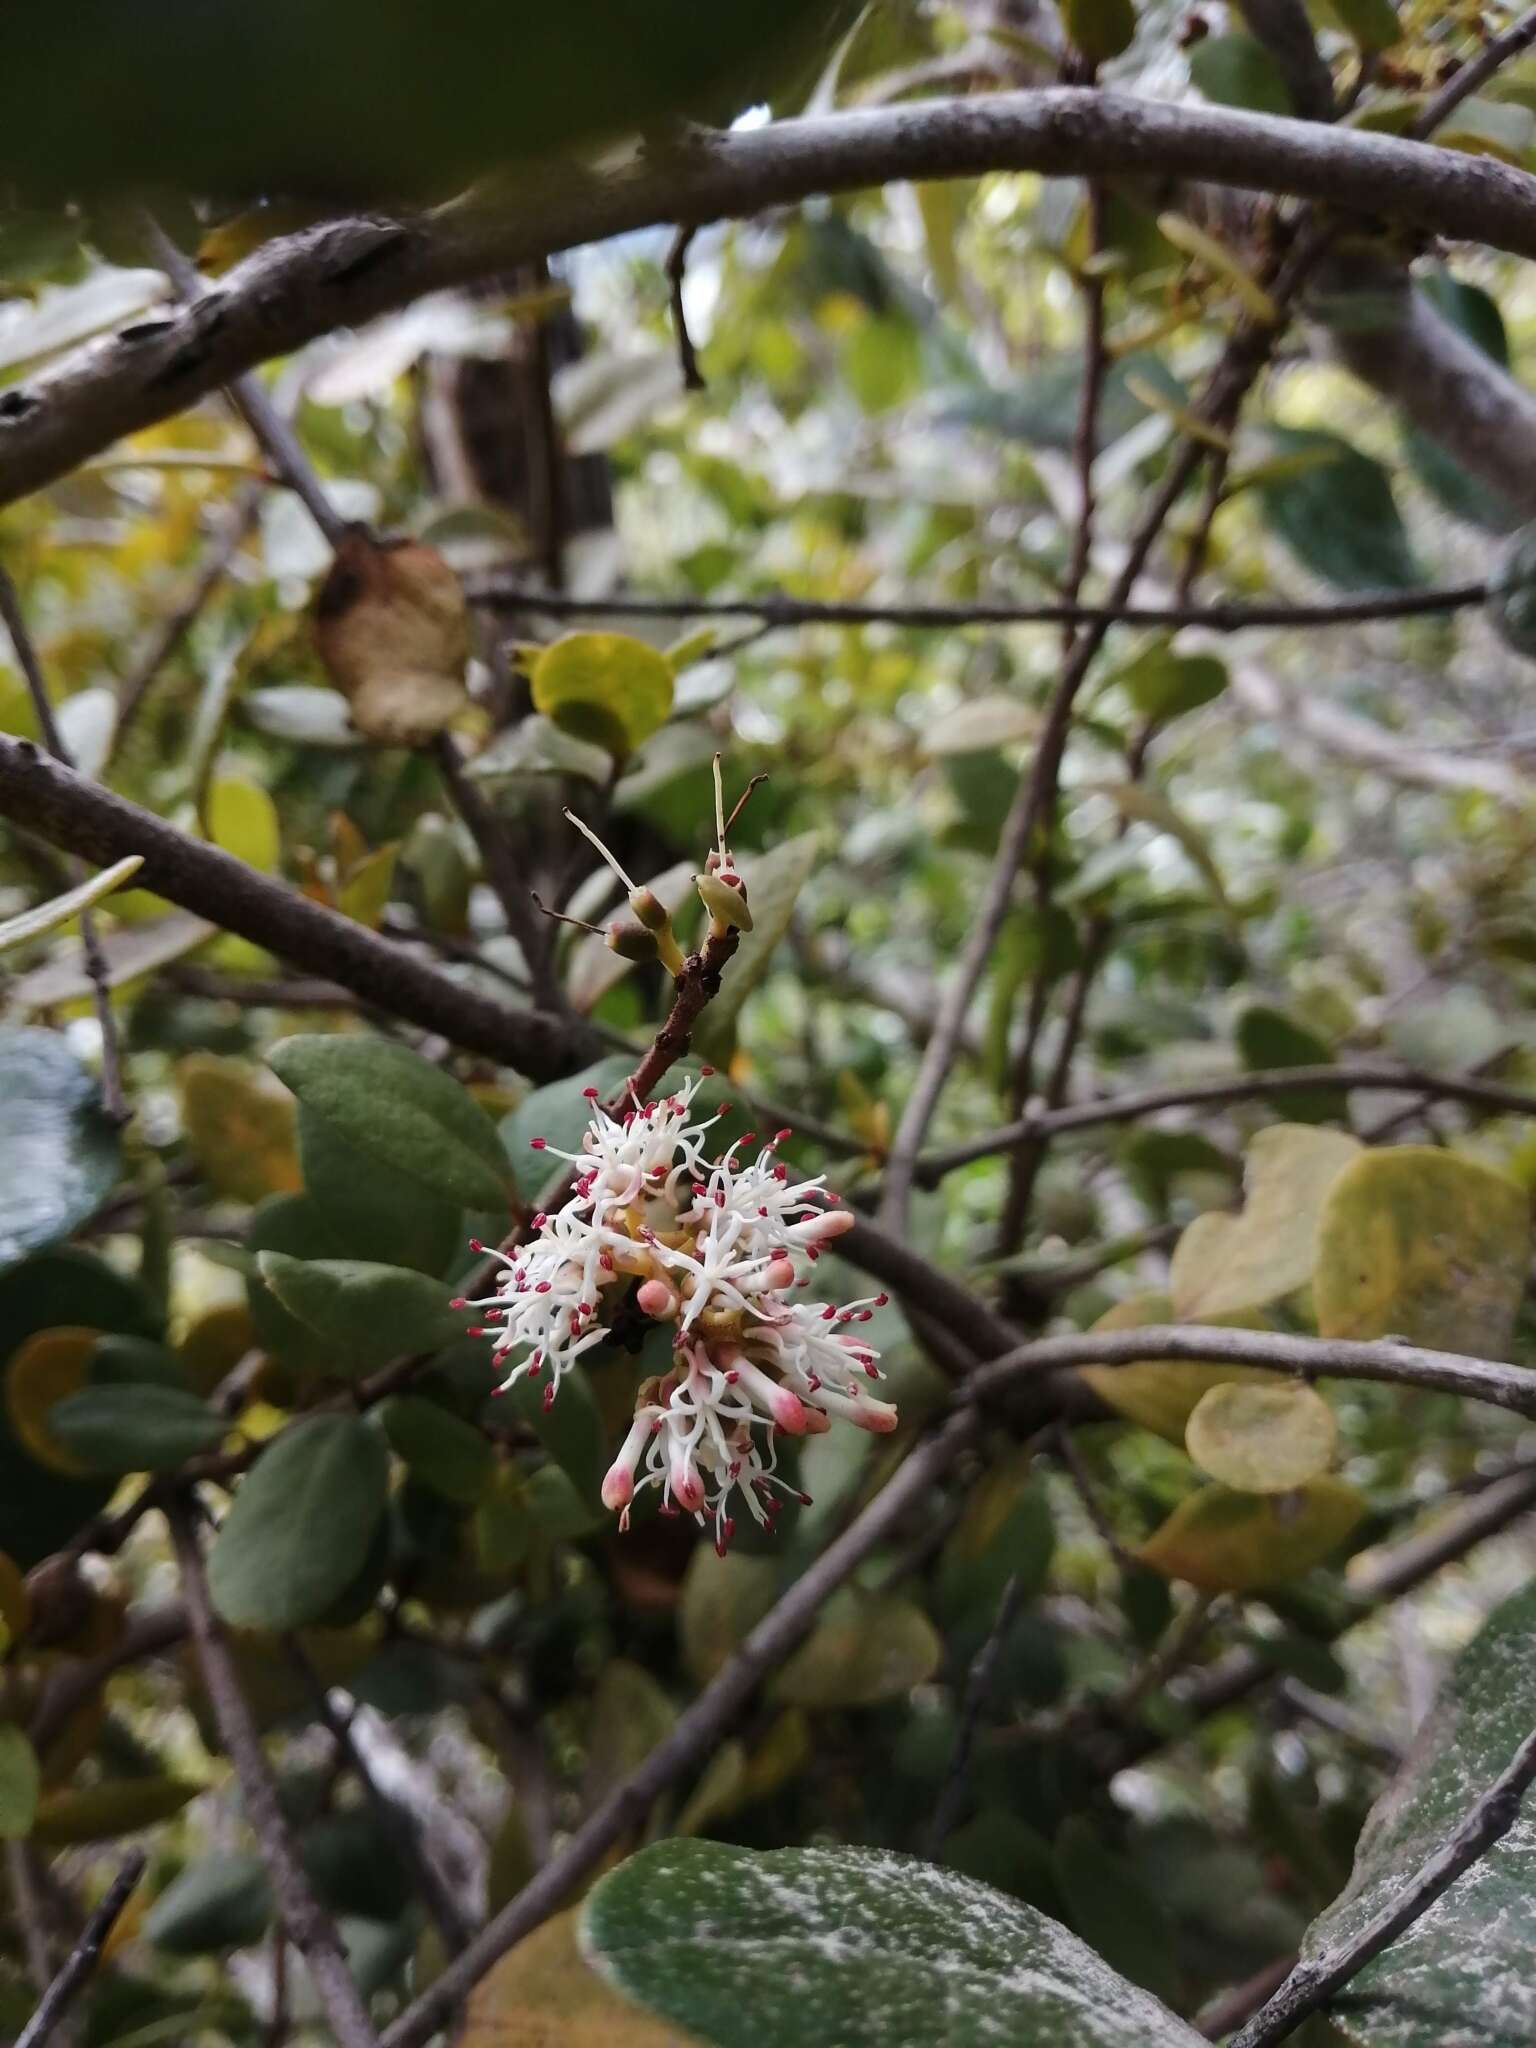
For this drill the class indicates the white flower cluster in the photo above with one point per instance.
(710, 1246)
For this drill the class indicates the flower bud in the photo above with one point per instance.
(649, 909)
(725, 901)
(656, 1298)
(630, 941)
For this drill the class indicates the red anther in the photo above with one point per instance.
(477, 1330)
(780, 1136)
(721, 1540)
(881, 1300)
(583, 1308)
(538, 1144)
(732, 1377)
(668, 1509)
(590, 1094)
(540, 1220)
(811, 1252)
(762, 1209)
(812, 1383)
(707, 1072)
(828, 1314)
(726, 1108)
(475, 1245)
(865, 1314)
(458, 1301)
(746, 1138)
(720, 1199)
(871, 1368)
(544, 1287)
(781, 1173)
(605, 1260)
(804, 1499)
(730, 1528)
(536, 1362)
(733, 1470)
(497, 1392)
(549, 1395)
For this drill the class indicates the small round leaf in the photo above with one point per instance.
(607, 688)
(1262, 1439)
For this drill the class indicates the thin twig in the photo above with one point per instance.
(312, 1930)
(677, 271)
(1379, 1076)
(978, 1688)
(83, 1957)
(1474, 76)
(178, 622)
(1229, 2011)
(29, 1912)
(1314, 1981)
(90, 940)
(777, 612)
(693, 1737)
(504, 871)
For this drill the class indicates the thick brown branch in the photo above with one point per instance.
(83, 818)
(350, 271)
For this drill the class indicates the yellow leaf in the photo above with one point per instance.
(364, 895)
(242, 819)
(1223, 1262)
(241, 1123)
(543, 1994)
(1418, 1243)
(1262, 1439)
(40, 1373)
(1160, 1393)
(1241, 1542)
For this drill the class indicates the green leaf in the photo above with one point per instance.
(1005, 1531)
(1462, 1972)
(304, 715)
(1242, 1542)
(1163, 685)
(20, 1783)
(221, 1901)
(366, 1314)
(630, 1715)
(59, 1156)
(1337, 515)
(559, 1113)
(1113, 1910)
(1267, 1038)
(801, 1948)
(394, 1106)
(774, 881)
(1237, 71)
(570, 1429)
(300, 1526)
(240, 1123)
(441, 1450)
(47, 917)
(1471, 311)
(724, 1598)
(1415, 1242)
(107, 1809)
(372, 1210)
(1226, 1263)
(1101, 29)
(140, 1428)
(1145, 806)
(608, 689)
(1372, 24)
(865, 1648)
(380, 103)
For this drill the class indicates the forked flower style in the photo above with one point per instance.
(714, 1248)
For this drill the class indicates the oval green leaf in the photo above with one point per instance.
(300, 1526)
(366, 1314)
(738, 1946)
(1241, 1542)
(138, 1428)
(59, 1157)
(394, 1106)
(1227, 1263)
(606, 688)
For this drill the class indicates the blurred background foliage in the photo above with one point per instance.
(1281, 847)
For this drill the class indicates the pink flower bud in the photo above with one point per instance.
(781, 1272)
(618, 1486)
(656, 1299)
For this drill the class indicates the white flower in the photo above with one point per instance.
(651, 1225)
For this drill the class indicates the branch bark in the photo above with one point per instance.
(1365, 1075)
(310, 1928)
(350, 271)
(83, 1957)
(83, 818)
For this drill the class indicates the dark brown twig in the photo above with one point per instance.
(677, 271)
(1472, 77)
(83, 1957)
(973, 1701)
